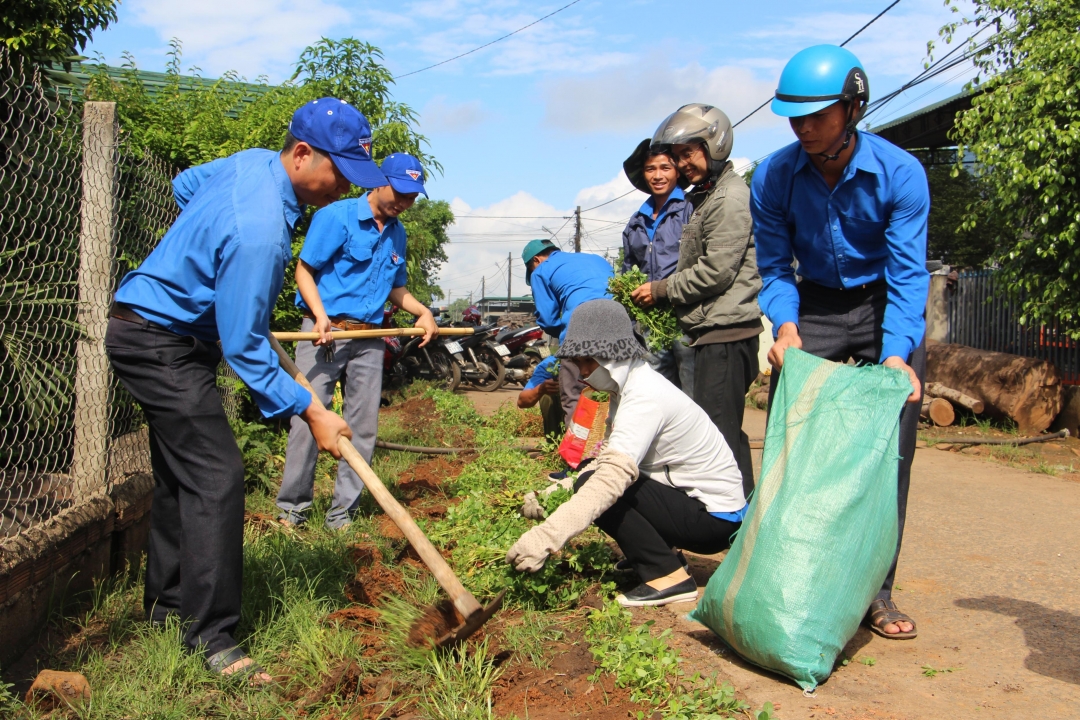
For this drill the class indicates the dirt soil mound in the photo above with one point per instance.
(563, 690)
(371, 583)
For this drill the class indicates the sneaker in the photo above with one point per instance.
(645, 596)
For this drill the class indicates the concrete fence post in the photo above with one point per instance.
(96, 247)
(937, 309)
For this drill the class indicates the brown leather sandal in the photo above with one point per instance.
(883, 612)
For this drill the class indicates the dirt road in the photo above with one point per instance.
(989, 570)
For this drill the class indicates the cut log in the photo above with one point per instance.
(939, 410)
(936, 389)
(1025, 390)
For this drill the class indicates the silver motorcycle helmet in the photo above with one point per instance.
(698, 123)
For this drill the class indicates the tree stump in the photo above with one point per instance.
(1025, 390)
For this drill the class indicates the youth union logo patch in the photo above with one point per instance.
(414, 174)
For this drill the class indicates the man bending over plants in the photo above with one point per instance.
(542, 389)
(352, 262)
(665, 477)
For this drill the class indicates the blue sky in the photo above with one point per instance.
(532, 126)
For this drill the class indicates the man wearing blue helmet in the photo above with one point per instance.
(850, 209)
(215, 276)
(353, 261)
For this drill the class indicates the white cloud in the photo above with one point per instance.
(440, 115)
(253, 37)
(640, 96)
(482, 237)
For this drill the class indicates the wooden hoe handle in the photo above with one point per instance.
(380, 333)
(463, 600)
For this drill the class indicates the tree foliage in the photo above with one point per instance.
(53, 30)
(1024, 130)
(191, 120)
(952, 196)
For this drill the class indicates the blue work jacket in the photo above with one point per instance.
(870, 227)
(218, 270)
(356, 265)
(653, 245)
(564, 281)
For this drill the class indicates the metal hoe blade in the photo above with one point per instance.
(471, 624)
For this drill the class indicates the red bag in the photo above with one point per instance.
(586, 431)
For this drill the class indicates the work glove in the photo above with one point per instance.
(532, 509)
(614, 473)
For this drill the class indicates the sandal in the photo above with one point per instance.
(218, 662)
(883, 612)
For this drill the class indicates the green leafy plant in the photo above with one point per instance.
(1022, 130)
(659, 323)
(869, 662)
(650, 668)
(930, 671)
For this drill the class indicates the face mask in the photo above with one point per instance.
(600, 379)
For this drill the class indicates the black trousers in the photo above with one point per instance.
(652, 518)
(842, 324)
(570, 387)
(195, 556)
(723, 373)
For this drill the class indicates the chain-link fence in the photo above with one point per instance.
(78, 209)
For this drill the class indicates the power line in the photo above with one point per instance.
(470, 52)
(853, 36)
(617, 198)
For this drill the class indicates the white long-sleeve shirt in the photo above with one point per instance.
(672, 440)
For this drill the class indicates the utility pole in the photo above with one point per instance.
(577, 229)
(509, 277)
(483, 288)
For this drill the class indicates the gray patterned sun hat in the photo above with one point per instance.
(602, 330)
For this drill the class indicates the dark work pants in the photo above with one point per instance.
(195, 556)
(723, 373)
(570, 387)
(842, 324)
(651, 518)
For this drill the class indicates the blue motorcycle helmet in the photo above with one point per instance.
(818, 77)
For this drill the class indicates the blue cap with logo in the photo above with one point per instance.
(340, 130)
(405, 173)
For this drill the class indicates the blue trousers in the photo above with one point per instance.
(358, 365)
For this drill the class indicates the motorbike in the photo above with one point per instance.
(478, 361)
(522, 349)
(406, 361)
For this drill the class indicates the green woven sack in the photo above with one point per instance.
(820, 533)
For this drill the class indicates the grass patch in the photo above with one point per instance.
(336, 658)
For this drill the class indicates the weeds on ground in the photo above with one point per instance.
(651, 669)
(929, 671)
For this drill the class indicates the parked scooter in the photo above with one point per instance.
(406, 361)
(478, 361)
(522, 349)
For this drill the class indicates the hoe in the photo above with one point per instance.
(441, 625)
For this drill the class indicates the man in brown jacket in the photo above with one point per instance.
(715, 285)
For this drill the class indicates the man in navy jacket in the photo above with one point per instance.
(651, 241)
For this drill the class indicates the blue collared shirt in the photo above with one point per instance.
(541, 373)
(564, 281)
(356, 265)
(870, 227)
(653, 245)
(218, 270)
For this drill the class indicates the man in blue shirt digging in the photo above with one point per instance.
(353, 261)
(215, 276)
(850, 209)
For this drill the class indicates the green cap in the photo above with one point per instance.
(534, 248)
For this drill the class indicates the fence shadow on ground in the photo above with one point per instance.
(1053, 636)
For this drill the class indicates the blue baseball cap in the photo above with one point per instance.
(340, 130)
(405, 173)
